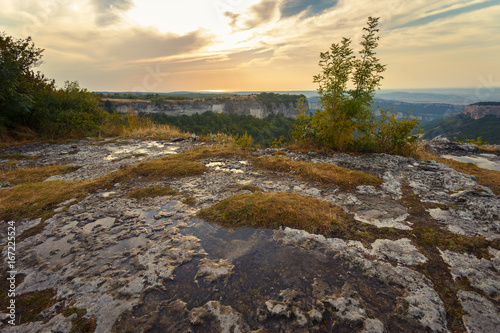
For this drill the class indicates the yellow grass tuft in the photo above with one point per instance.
(322, 173)
(272, 210)
(152, 191)
(36, 174)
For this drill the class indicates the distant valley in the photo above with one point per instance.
(441, 111)
(476, 120)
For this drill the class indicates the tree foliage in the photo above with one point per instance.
(347, 85)
(262, 131)
(30, 100)
(18, 81)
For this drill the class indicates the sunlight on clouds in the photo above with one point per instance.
(252, 44)
(187, 15)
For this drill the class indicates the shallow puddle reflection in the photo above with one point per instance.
(264, 270)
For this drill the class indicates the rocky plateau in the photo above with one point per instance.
(153, 265)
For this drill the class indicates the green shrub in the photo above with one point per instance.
(244, 141)
(346, 121)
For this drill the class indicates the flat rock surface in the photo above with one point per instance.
(152, 265)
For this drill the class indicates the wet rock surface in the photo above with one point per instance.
(151, 265)
(464, 152)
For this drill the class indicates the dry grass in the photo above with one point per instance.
(152, 191)
(250, 188)
(152, 131)
(495, 149)
(485, 177)
(32, 200)
(170, 166)
(19, 157)
(20, 136)
(36, 174)
(272, 210)
(217, 151)
(322, 173)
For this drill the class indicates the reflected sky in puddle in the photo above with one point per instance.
(54, 251)
(480, 161)
(225, 243)
(128, 151)
(105, 222)
(263, 268)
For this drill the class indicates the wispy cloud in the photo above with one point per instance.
(448, 13)
(310, 8)
(114, 44)
(108, 11)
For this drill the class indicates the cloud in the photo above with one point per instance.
(143, 44)
(254, 16)
(448, 13)
(312, 8)
(234, 19)
(261, 13)
(108, 11)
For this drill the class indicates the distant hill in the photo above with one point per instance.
(463, 126)
(428, 112)
(448, 96)
(422, 97)
(482, 109)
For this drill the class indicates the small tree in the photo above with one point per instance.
(347, 87)
(301, 129)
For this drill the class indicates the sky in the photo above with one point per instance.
(254, 45)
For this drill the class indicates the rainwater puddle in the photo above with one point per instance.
(151, 149)
(221, 166)
(113, 255)
(168, 207)
(480, 161)
(213, 164)
(105, 222)
(53, 251)
(263, 268)
(68, 227)
(125, 245)
(148, 215)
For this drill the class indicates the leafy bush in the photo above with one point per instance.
(18, 81)
(346, 121)
(263, 131)
(29, 99)
(244, 141)
(269, 99)
(70, 110)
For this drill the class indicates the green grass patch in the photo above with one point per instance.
(69, 311)
(80, 324)
(445, 240)
(29, 305)
(189, 200)
(322, 173)
(152, 191)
